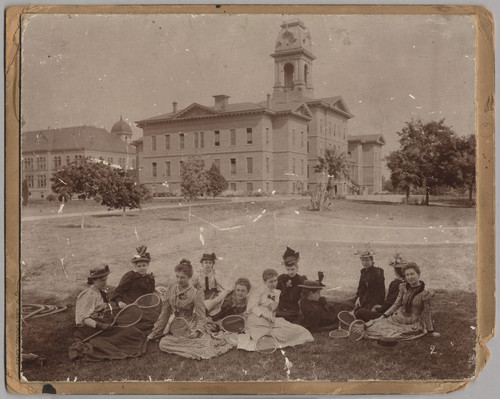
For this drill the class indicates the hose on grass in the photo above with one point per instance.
(33, 310)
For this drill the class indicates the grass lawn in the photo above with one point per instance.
(249, 237)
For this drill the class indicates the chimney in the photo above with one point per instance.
(221, 102)
(174, 107)
(268, 103)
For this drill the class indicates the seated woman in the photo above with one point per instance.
(207, 279)
(371, 287)
(136, 283)
(288, 284)
(232, 302)
(316, 312)
(261, 312)
(392, 293)
(182, 299)
(92, 314)
(410, 316)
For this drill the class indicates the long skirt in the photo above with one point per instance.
(115, 343)
(396, 326)
(204, 347)
(149, 318)
(286, 333)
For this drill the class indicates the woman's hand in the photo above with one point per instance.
(194, 334)
(103, 326)
(376, 308)
(122, 304)
(357, 304)
(434, 334)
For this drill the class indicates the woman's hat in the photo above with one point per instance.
(99, 272)
(211, 257)
(398, 261)
(314, 284)
(142, 255)
(290, 257)
(365, 253)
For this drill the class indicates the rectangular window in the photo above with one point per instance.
(202, 139)
(308, 146)
(167, 169)
(249, 135)
(196, 139)
(57, 162)
(30, 181)
(267, 135)
(153, 143)
(232, 186)
(41, 163)
(167, 141)
(293, 137)
(302, 166)
(233, 166)
(302, 139)
(232, 136)
(250, 187)
(217, 163)
(41, 181)
(267, 164)
(217, 138)
(250, 165)
(267, 186)
(293, 165)
(181, 140)
(153, 169)
(181, 164)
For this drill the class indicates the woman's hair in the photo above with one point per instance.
(245, 282)
(185, 267)
(399, 271)
(411, 265)
(90, 280)
(268, 273)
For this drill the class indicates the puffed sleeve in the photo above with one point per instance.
(398, 303)
(166, 311)
(253, 303)
(361, 285)
(426, 312)
(85, 306)
(123, 287)
(199, 311)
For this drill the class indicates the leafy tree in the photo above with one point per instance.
(216, 182)
(332, 167)
(193, 178)
(425, 158)
(109, 186)
(465, 163)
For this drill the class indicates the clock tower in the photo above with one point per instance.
(293, 63)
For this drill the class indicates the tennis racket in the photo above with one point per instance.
(338, 333)
(267, 343)
(179, 327)
(127, 317)
(357, 330)
(148, 301)
(233, 324)
(345, 319)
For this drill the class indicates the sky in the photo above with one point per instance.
(92, 69)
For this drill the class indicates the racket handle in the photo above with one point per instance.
(92, 336)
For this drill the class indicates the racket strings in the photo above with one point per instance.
(179, 327)
(148, 301)
(233, 323)
(266, 344)
(128, 316)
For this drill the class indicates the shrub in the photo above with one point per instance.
(51, 197)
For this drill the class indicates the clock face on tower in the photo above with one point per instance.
(288, 39)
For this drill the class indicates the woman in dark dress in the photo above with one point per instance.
(234, 302)
(288, 284)
(371, 287)
(136, 283)
(94, 313)
(392, 293)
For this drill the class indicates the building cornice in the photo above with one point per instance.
(279, 54)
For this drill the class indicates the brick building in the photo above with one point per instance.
(45, 151)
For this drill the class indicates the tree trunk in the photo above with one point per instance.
(408, 194)
(83, 221)
(427, 192)
(123, 214)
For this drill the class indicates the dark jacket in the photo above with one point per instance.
(132, 286)
(229, 307)
(392, 294)
(316, 314)
(290, 294)
(371, 288)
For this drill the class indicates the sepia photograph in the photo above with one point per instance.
(244, 197)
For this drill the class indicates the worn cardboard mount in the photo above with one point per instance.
(485, 206)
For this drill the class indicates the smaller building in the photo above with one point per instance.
(45, 151)
(365, 162)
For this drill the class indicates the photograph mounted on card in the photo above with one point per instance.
(293, 195)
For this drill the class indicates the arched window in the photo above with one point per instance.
(289, 76)
(306, 74)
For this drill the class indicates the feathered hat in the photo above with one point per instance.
(366, 253)
(290, 257)
(142, 255)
